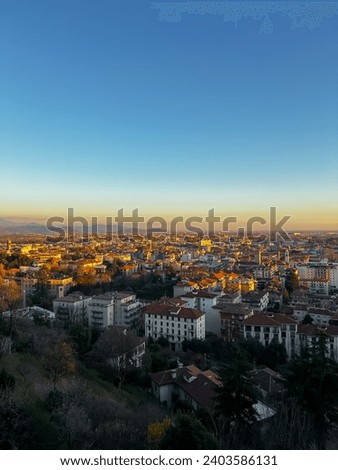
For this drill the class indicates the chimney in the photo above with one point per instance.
(174, 373)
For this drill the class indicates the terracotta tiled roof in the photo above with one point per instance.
(321, 311)
(219, 275)
(260, 319)
(199, 294)
(200, 386)
(314, 330)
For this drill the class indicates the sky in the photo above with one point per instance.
(104, 104)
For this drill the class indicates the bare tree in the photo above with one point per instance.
(118, 349)
(290, 429)
(10, 295)
(59, 361)
(14, 421)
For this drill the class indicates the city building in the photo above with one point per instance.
(308, 335)
(175, 322)
(187, 385)
(205, 302)
(268, 327)
(71, 309)
(101, 310)
(127, 310)
(259, 301)
(232, 317)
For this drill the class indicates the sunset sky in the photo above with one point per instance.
(103, 106)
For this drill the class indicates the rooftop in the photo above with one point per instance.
(277, 319)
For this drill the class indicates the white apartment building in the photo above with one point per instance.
(169, 319)
(313, 271)
(320, 316)
(268, 327)
(71, 309)
(114, 308)
(127, 310)
(307, 335)
(320, 277)
(205, 302)
(333, 273)
(265, 272)
(101, 309)
(259, 301)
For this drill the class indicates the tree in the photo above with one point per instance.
(59, 361)
(307, 320)
(274, 354)
(68, 406)
(312, 380)
(117, 350)
(82, 337)
(187, 432)
(290, 428)
(286, 296)
(291, 281)
(14, 420)
(236, 397)
(41, 294)
(235, 401)
(159, 358)
(10, 295)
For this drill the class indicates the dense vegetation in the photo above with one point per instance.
(59, 391)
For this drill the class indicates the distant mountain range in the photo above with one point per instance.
(7, 223)
(11, 226)
(14, 227)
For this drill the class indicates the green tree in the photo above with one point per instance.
(41, 291)
(187, 432)
(82, 337)
(234, 408)
(236, 396)
(291, 281)
(312, 380)
(307, 320)
(286, 296)
(274, 354)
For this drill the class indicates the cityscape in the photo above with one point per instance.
(168, 228)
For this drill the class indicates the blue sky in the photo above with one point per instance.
(103, 106)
